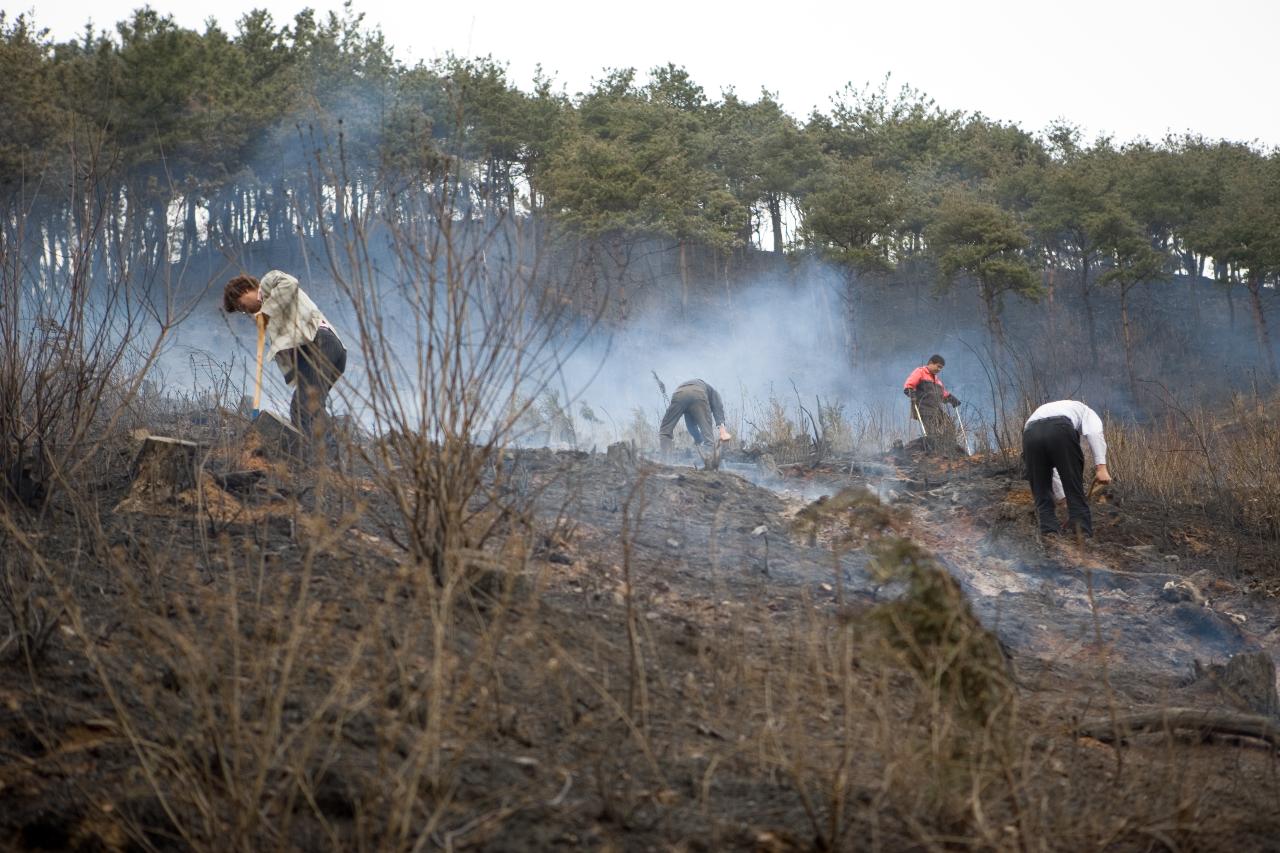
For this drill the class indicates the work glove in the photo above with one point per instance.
(910, 392)
(953, 399)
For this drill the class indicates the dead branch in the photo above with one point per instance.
(1203, 722)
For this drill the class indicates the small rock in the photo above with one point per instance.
(674, 543)
(1182, 590)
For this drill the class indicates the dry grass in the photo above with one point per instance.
(316, 689)
(1223, 463)
(794, 431)
(397, 667)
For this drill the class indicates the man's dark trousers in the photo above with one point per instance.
(317, 367)
(691, 403)
(1053, 443)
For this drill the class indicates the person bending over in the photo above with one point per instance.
(1055, 461)
(303, 344)
(702, 409)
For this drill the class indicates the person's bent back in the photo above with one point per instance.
(702, 409)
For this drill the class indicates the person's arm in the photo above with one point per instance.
(1059, 493)
(947, 396)
(717, 405)
(279, 291)
(913, 381)
(1091, 429)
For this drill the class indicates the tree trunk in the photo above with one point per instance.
(991, 301)
(1229, 282)
(189, 231)
(684, 277)
(1128, 340)
(728, 292)
(775, 215)
(1267, 356)
(1051, 308)
(1189, 264)
(1090, 322)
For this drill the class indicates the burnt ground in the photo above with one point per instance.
(1060, 603)
(673, 665)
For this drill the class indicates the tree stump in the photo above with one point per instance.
(768, 467)
(622, 454)
(23, 481)
(164, 467)
(276, 436)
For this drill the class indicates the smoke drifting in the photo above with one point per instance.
(785, 330)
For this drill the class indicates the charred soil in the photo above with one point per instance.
(665, 658)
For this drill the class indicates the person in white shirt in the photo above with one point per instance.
(303, 343)
(1055, 461)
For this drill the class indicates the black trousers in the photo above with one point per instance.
(1053, 444)
(316, 365)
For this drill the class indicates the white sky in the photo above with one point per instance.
(1129, 68)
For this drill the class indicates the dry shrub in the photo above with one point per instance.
(1224, 463)
(643, 433)
(900, 725)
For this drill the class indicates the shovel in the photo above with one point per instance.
(968, 451)
(257, 380)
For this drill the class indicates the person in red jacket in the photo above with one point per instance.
(927, 395)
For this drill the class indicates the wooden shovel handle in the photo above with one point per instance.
(257, 381)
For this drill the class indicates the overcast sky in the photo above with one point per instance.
(1128, 68)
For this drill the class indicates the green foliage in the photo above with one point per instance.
(237, 123)
(985, 242)
(34, 122)
(640, 160)
(852, 211)
(763, 156)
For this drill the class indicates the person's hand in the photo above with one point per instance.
(1101, 475)
(953, 399)
(724, 433)
(910, 392)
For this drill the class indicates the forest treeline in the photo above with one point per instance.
(173, 141)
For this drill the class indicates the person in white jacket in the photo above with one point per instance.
(1055, 461)
(303, 343)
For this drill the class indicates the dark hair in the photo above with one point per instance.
(937, 359)
(237, 287)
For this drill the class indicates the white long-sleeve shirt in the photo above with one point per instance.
(292, 318)
(1086, 422)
